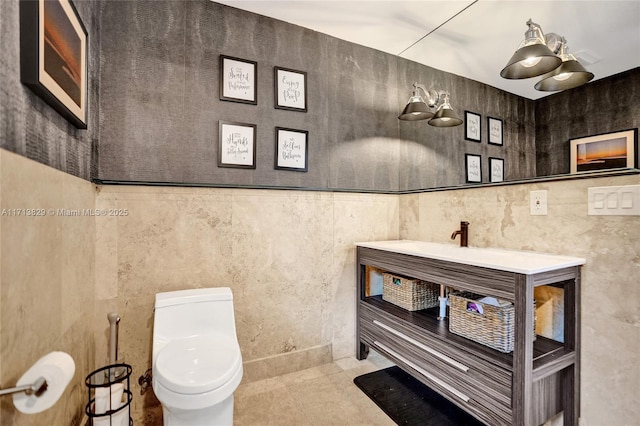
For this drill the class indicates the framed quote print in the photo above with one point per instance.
(496, 169)
(494, 126)
(290, 88)
(291, 149)
(238, 80)
(472, 126)
(237, 145)
(473, 168)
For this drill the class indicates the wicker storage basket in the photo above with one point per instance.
(492, 326)
(410, 294)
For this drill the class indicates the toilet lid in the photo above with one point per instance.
(197, 364)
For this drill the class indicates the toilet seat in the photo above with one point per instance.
(197, 364)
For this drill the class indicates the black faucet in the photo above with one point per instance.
(464, 234)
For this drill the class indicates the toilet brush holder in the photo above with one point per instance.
(109, 396)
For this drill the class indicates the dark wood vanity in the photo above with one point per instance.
(526, 387)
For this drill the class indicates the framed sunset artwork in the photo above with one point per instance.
(53, 56)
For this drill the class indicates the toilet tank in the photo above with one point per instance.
(186, 313)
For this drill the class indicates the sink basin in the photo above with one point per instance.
(521, 262)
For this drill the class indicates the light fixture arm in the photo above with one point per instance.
(534, 31)
(432, 97)
(562, 49)
(443, 97)
(554, 42)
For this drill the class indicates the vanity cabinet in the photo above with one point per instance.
(526, 387)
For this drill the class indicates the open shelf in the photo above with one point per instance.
(529, 385)
(545, 350)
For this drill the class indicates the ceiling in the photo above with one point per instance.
(473, 39)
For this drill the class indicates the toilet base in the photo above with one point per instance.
(220, 414)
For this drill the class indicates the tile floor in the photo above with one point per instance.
(319, 396)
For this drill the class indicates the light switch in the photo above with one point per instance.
(614, 201)
(598, 200)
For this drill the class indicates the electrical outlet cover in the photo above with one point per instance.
(538, 203)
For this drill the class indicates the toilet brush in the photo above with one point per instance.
(114, 325)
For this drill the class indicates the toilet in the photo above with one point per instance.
(196, 358)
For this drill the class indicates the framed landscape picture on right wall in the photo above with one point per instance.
(607, 151)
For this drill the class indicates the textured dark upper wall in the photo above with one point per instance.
(161, 98)
(160, 104)
(435, 157)
(603, 106)
(28, 125)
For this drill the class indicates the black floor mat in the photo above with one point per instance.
(409, 402)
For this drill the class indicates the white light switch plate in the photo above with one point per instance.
(538, 202)
(614, 200)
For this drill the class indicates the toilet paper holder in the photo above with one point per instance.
(36, 388)
(42, 385)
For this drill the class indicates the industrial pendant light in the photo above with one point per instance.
(547, 56)
(568, 75)
(445, 116)
(418, 109)
(533, 57)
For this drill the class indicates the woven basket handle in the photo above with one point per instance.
(475, 308)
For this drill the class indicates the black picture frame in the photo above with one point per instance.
(52, 30)
(472, 126)
(496, 169)
(473, 168)
(291, 149)
(238, 80)
(495, 131)
(604, 151)
(290, 89)
(236, 145)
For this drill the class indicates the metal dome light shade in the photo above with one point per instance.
(533, 57)
(568, 75)
(416, 109)
(445, 116)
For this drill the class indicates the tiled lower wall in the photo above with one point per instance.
(289, 258)
(499, 217)
(47, 286)
(287, 255)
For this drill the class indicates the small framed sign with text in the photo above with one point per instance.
(494, 126)
(238, 80)
(496, 169)
(290, 88)
(291, 149)
(237, 145)
(473, 168)
(472, 126)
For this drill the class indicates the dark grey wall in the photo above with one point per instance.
(29, 126)
(160, 104)
(603, 106)
(154, 105)
(436, 156)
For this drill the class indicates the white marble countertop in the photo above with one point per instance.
(521, 262)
